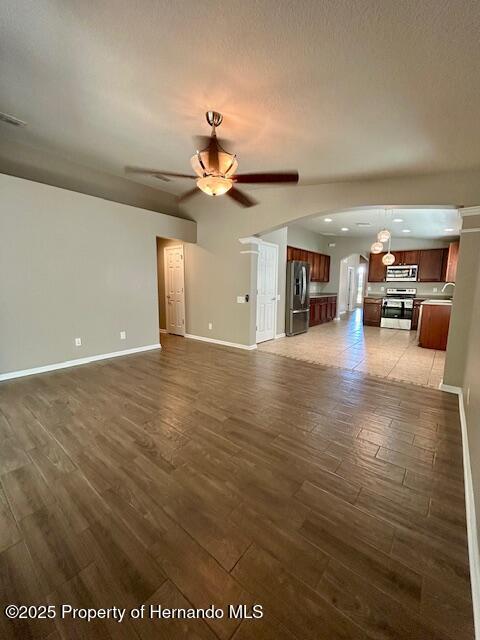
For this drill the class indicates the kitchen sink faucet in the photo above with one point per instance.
(452, 284)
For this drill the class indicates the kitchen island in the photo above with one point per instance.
(434, 323)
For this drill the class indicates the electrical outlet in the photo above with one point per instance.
(78, 342)
(123, 335)
(382, 288)
(435, 289)
(210, 326)
(241, 299)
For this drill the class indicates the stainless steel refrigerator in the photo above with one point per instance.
(297, 298)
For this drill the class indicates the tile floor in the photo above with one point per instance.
(347, 344)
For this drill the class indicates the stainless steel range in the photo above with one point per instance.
(397, 308)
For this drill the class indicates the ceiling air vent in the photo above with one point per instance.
(363, 224)
(8, 119)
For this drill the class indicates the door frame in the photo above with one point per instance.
(165, 273)
(275, 310)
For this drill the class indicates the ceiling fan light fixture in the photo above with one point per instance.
(214, 185)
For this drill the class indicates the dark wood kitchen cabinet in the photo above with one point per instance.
(376, 269)
(432, 266)
(452, 261)
(319, 263)
(434, 326)
(372, 311)
(409, 257)
(322, 310)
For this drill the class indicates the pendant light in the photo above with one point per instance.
(383, 235)
(377, 247)
(388, 259)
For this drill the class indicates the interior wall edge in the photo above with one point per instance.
(472, 529)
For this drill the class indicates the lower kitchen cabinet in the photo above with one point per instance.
(322, 310)
(434, 326)
(372, 311)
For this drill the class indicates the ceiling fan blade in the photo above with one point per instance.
(158, 173)
(270, 177)
(241, 197)
(188, 194)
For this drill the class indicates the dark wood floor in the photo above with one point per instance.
(204, 475)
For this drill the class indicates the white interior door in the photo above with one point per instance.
(267, 272)
(175, 289)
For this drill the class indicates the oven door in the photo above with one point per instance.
(397, 314)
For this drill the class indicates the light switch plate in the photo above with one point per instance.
(78, 342)
(210, 326)
(123, 335)
(241, 299)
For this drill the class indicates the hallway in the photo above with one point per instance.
(347, 344)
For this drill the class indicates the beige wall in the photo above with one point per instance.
(305, 239)
(463, 311)
(72, 266)
(471, 385)
(25, 161)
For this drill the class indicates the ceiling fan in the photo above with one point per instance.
(215, 169)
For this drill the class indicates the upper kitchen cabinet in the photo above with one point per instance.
(432, 265)
(319, 263)
(409, 257)
(376, 269)
(452, 261)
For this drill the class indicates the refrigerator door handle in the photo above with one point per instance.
(304, 284)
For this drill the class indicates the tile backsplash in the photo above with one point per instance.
(423, 288)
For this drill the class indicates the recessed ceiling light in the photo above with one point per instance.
(345, 229)
(405, 230)
(327, 219)
(448, 230)
(398, 219)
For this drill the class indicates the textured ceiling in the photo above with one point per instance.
(410, 223)
(337, 89)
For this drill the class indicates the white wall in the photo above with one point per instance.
(72, 266)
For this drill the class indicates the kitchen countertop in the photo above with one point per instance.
(322, 295)
(436, 301)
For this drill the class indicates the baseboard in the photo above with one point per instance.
(450, 389)
(472, 532)
(74, 363)
(224, 343)
(163, 331)
(280, 335)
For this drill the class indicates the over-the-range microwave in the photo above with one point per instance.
(403, 273)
